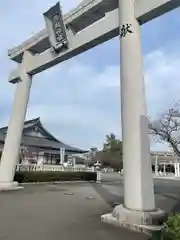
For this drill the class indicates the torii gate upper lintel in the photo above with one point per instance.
(69, 38)
(89, 35)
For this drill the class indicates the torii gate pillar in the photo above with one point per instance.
(139, 203)
(68, 36)
(10, 155)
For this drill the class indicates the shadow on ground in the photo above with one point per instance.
(111, 199)
(168, 199)
(167, 192)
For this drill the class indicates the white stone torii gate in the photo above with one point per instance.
(91, 23)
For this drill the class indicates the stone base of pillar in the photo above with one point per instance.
(146, 222)
(9, 186)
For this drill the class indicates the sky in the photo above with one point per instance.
(78, 101)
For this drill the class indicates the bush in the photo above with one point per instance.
(171, 230)
(24, 177)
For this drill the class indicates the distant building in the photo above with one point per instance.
(39, 145)
(164, 158)
(166, 162)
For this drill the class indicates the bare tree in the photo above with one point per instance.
(167, 128)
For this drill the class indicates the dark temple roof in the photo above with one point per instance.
(45, 141)
(31, 124)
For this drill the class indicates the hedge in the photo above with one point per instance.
(24, 177)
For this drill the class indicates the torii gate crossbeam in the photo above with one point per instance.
(91, 23)
(83, 38)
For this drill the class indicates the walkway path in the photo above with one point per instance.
(61, 211)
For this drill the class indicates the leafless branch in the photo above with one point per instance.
(167, 128)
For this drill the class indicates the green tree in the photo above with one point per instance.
(111, 155)
(112, 143)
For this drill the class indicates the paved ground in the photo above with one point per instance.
(50, 212)
(167, 192)
(63, 211)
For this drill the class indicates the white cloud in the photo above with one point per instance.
(21, 19)
(77, 96)
(162, 80)
(79, 100)
(82, 97)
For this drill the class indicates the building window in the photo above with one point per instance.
(57, 160)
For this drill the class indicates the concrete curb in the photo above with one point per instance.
(60, 182)
(168, 178)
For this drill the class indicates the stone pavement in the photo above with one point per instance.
(58, 211)
(167, 191)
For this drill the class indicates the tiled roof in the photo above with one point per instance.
(2, 137)
(32, 141)
(28, 123)
(32, 124)
(45, 143)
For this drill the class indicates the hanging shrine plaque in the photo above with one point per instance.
(56, 28)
